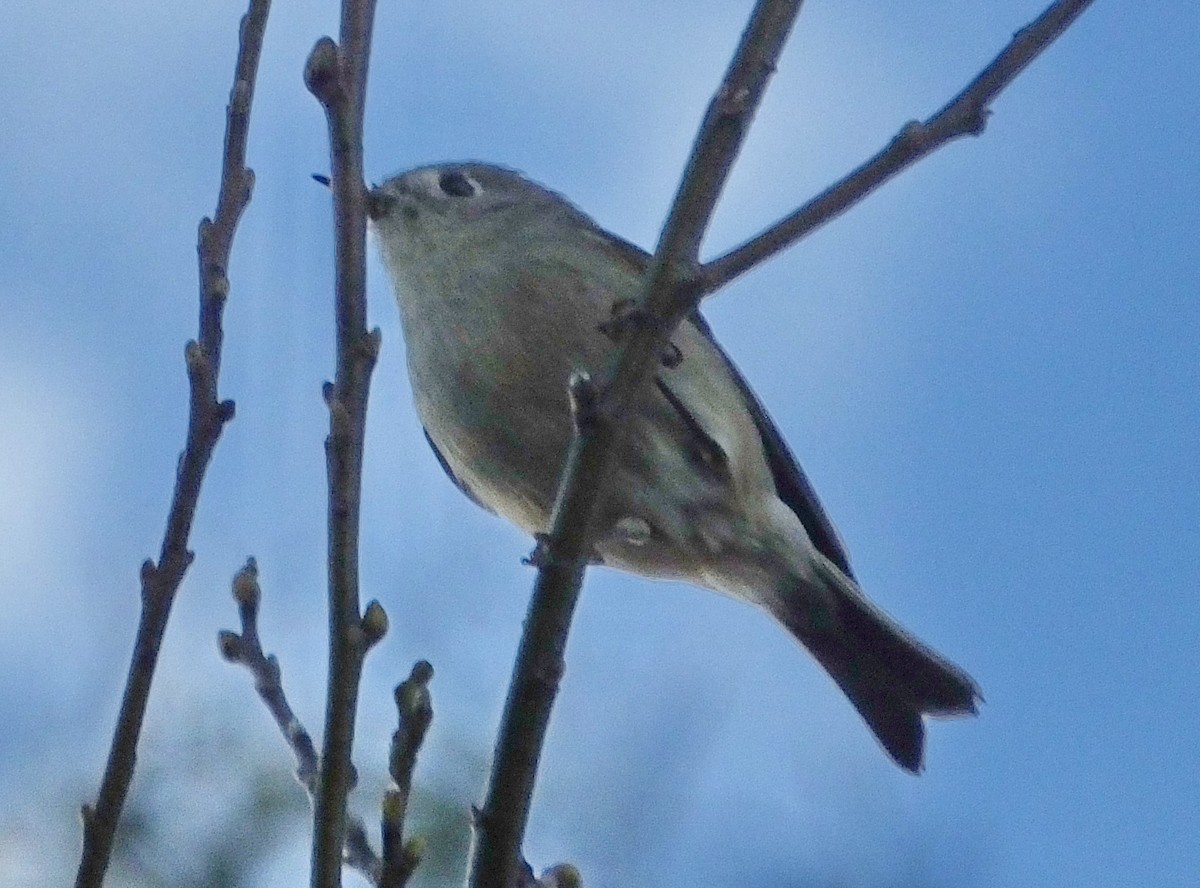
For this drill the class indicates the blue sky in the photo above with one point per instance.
(990, 370)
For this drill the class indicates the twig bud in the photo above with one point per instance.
(321, 71)
(374, 623)
(246, 591)
(230, 645)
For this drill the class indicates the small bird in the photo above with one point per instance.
(505, 289)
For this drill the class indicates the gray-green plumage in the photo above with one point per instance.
(504, 290)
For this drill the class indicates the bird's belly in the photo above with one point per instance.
(504, 432)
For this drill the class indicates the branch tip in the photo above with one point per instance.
(321, 72)
(422, 672)
(413, 703)
(230, 645)
(195, 359)
(562, 875)
(374, 623)
(246, 591)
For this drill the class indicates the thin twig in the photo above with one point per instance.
(964, 115)
(336, 74)
(564, 554)
(414, 709)
(206, 418)
(245, 649)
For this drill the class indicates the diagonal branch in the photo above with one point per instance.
(674, 286)
(206, 418)
(336, 74)
(668, 297)
(245, 649)
(964, 115)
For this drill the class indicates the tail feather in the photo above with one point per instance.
(891, 678)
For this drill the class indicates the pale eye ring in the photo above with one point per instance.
(456, 183)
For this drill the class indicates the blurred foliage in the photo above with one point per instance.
(222, 815)
(222, 853)
(257, 823)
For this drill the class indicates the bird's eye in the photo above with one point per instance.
(457, 184)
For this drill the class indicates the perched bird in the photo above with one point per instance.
(505, 289)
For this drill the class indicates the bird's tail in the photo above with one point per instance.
(890, 677)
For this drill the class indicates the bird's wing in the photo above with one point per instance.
(458, 482)
(791, 483)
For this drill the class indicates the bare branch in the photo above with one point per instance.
(336, 74)
(206, 418)
(414, 713)
(964, 115)
(564, 554)
(246, 649)
(674, 285)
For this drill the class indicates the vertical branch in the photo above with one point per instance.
(206, 419)
(670, 294)
(336, 74)
(414, 709)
